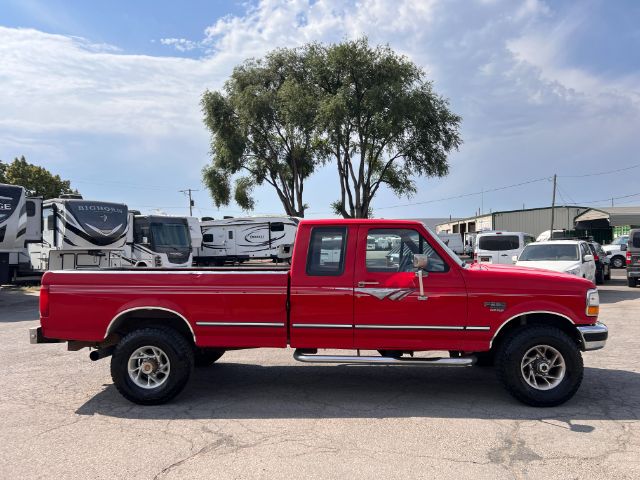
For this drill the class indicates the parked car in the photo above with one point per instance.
(156, 324)
(603, 263)
(568, 256)
(500, 247)
(616, 251)
(633, 258)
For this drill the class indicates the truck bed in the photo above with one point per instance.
(232, 306)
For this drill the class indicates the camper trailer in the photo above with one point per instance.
(161, 241)
(20, 224)
(78, 233)
(248, 238)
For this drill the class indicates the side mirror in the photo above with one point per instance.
(514, 259)
(623, 247)
(420, 261)
(145, 240)
(588, 258)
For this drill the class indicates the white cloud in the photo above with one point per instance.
(180, 44)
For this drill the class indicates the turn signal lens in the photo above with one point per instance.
(593, 303)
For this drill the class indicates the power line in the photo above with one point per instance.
(601, 173)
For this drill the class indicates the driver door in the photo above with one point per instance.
(389, 313)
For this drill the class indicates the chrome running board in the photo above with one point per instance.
(379, 360)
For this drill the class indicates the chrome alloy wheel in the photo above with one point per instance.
(543, 367)
(149, 367)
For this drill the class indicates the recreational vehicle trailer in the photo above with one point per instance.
(80, 233)
(20, 224)
(248, 238)
(161, 241)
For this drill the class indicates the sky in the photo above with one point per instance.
(106, 94)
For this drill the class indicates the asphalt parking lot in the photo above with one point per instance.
(259, 414)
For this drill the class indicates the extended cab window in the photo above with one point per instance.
(391, 250)
(326, 251)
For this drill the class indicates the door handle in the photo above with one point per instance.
(364, 284)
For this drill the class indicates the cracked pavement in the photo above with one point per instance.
(259, 414)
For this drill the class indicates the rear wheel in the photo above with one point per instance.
(151, 366)
(600, 277)
(207, 357)
(618, 262)
(540, 366)
(607, 276)
(633, 282)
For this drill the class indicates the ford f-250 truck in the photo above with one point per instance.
(415, 296)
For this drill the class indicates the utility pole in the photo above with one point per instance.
(553, 205)
(191, 203)
(612, 201)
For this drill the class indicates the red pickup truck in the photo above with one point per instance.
(389, 287)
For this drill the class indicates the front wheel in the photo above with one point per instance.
(540, 366)
(151, 366)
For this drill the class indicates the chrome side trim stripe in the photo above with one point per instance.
(411, 327)
(478, 328)
(240, 324)
(321, 325)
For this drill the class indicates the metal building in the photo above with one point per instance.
(530, 220)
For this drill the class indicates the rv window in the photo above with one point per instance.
(277, 227)
(207, 238)
(326, 251)
(50, 222)
(230, 234)
(31, 208)
(635, 242)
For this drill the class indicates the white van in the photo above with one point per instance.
(500, 247)
(453, 241)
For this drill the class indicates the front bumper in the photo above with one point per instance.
(36, 336)
(633, 272)
(594, 337)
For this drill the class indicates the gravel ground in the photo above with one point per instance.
(259, 414)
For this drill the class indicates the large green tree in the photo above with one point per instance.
(381, 121)
(263, 130)
(37, 180)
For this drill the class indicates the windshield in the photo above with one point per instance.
(174, 236)
(620, 240)
(553, 252)
(444, 246)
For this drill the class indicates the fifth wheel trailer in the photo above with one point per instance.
(238, 239)
(20, 224)
(80, 233)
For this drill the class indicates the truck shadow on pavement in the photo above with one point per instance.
(238, 391)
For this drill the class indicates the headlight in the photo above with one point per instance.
(593, 303)
(573, 271)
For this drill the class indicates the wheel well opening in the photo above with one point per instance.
(144, 318)
(550, 319)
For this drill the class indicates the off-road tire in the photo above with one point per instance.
(206, 357)
(632, 282)
(511, 352)
(178, 351)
